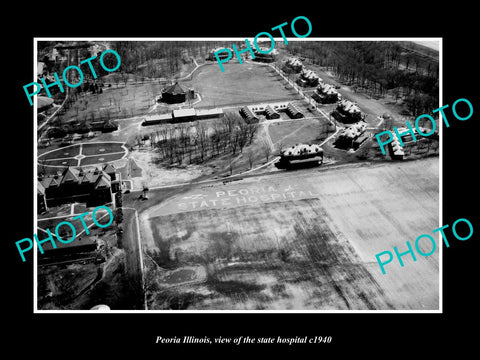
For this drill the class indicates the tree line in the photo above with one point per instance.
(156, 59)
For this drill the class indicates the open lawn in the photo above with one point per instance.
(60, 162)
(115, 102)
(60, 153)
(92, 153)
(101, 159)
(240, 84)
(101, 148)
(289, 133)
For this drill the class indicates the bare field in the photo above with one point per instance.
(302, 240)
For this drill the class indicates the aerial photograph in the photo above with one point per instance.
(196, 177)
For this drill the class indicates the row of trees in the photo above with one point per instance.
(198, 143)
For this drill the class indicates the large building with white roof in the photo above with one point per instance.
(182, 115)
(347, 112)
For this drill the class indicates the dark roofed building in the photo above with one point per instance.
(103, 126)
(293, 111)
(75, 184)
(265, 57)
(271, 113)
(300, 155)
(248, 115)
(80, 248)
(110, 170)
(174, 94)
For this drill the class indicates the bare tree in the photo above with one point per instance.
(216, 138)
(280, 145)
(202, 140)
(242, 131)
(234, 141)
(229, 122)
(267, 150)
(250, 157)
(252, 131)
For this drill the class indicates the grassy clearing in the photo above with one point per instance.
(69, 151)
(61, 163)
(100, 159)
(239, 84)
(95, 149)
(115, 102)
(298, 131)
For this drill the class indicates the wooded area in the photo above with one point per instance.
(378, 67)
(198, 142)
(156, 59)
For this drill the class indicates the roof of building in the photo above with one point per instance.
(310, 75)
(88, 177)
(302, 149)
(102, 182)
(247, 112)
(293, 61)
(79, 241)
(349, 106)
(55, 180)
(264, 51)
(99, 178)
(70, 175)
(184, 112)
(207, 112)
(259, 108)
(108, 168)
(269, 109)
(43, 102)
(174, 89)
(40, 188)
(355, 130)
(158, 117)
(293, 108)
(326, 89)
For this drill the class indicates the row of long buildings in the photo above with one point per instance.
(271, 111)
(182, 115)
